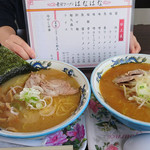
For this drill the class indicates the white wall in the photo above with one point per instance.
(142, 16)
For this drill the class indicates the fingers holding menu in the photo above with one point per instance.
(16, 44)
(134, 44)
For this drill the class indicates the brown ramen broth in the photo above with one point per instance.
(114, 96)
(29, 120)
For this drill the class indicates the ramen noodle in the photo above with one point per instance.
(116, 94)
(38, 100)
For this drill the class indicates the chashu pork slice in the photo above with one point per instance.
(52, 88)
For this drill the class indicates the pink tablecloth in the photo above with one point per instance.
(104, 132)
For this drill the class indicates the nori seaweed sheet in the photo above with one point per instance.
(12, 65)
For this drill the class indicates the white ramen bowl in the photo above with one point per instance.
(85, 97)
(96, 77)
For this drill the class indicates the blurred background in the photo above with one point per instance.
(142, 24)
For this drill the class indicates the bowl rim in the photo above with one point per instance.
(109, 108)
(63, 124)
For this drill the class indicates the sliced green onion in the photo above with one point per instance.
(32, 98)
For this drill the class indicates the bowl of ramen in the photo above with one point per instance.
(122, 85)
(42, 101)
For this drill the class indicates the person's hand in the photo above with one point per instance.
(9, 39)
(134, 44)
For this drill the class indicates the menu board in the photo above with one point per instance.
(80, 32)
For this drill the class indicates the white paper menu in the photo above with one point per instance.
(80, 32)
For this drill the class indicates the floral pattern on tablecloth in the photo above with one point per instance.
(107, 132)
(74, 134)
